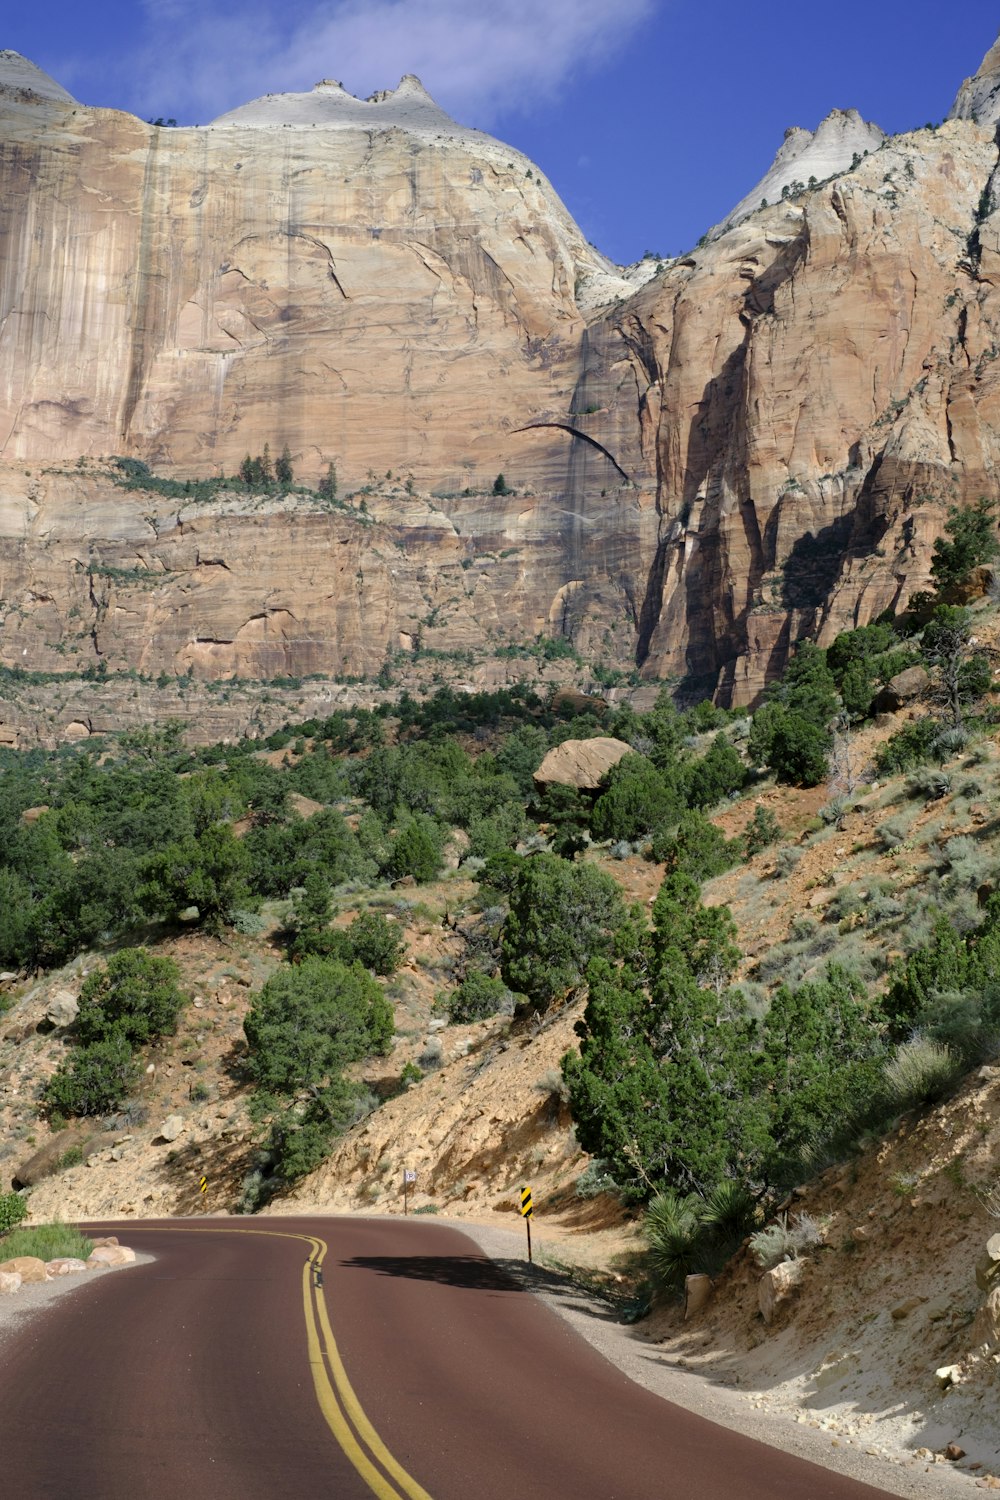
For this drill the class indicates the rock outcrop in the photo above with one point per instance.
(759, 443)
(806, 158)
(979, 97)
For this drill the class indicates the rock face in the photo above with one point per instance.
(807, 157)
(979, 97)
(758, 443)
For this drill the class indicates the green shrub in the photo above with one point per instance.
(762, 831)
(310, 1020)
(13, 1208)
(477, 997)
(594, 1180)
(695, 847)
(135, 996)
(672, 1227)
(921, 1072)
(416, 849)
(970, 541)
(375, 942)
(95, 1080)
(911, 746)
(783, 1241)
(561, 916)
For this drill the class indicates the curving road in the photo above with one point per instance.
(345, 1358)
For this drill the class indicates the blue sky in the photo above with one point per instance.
(651, 117)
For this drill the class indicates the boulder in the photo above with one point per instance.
(581, 763)
(777, 1286)
(902, 689)
(62, 1010)
(988, 1265)
(697, 1291)
(10, 1282)
(107, 1239)
(171, 1128)
(28, 1267)
(110, 1255)
(903, 1309)
(46, 1160)
(65, 1265)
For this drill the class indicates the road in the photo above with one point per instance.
(345, 1358)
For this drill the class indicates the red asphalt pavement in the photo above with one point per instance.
(189, 1379)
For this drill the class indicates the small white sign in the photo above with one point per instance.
(409, 1176)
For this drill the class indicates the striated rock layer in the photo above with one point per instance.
(758, 443)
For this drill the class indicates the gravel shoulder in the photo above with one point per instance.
(38, 1297)
(641, 1360)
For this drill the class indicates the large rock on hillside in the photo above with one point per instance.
(49, 1156)
(581, 763)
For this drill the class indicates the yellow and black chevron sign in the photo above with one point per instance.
(526, 1209)
(203, 1184)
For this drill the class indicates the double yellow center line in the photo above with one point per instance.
(341, 1409)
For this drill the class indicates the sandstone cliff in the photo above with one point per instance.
(710, 458)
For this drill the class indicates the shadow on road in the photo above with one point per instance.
(470, 1273)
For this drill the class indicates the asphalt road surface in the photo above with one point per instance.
(345, 1358)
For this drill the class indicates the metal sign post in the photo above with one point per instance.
(526, 1212)
(408, 1178)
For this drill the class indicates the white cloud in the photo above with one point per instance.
(479, 62)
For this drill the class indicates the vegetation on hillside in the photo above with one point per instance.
(689, 1080)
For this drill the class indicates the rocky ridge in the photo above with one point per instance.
(758, 442)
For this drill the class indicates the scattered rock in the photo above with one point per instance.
(189, 914)
(10, 1282)
(63, 1009)
(697, 1291)
(28, 1267)
(110, 1255)
(171, 1128)
(903, 1309)
(948, 1375)
(107, 1239)
(953, 1452)
(65, 1265)
(902, 689)
(777, 1285)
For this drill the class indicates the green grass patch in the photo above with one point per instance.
(47, 1241)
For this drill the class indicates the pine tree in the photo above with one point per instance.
(283, 468)
(327, 487)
